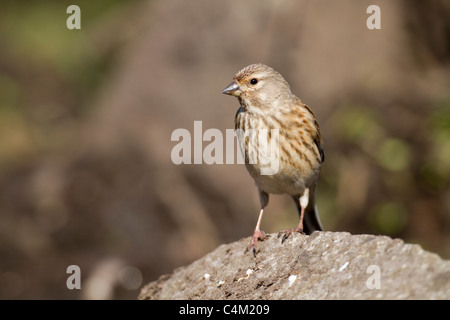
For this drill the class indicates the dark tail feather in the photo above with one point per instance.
(311, 220)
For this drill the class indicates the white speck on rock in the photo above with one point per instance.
(342, 268)
(220, 283)
(292, 279)
(206, 276)
(248, 273)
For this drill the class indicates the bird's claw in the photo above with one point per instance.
(258, 235)
(287, 232)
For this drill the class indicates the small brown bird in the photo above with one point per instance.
(272, 112)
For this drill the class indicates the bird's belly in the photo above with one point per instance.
(286, 180)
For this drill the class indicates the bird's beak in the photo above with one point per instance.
(232, 89)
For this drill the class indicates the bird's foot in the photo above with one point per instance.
(287, 232)
(258, 235)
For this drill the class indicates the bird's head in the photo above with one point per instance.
(258, 85)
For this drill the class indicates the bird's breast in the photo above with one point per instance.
(278, 156)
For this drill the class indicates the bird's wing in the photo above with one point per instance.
(316, 135)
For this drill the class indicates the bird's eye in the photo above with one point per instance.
(254, 81)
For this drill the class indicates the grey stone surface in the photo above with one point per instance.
(325, 265)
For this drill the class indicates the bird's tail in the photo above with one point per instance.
(311, 220)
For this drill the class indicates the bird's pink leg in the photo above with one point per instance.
(304, 199)
(258, 234)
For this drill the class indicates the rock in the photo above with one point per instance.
(325, 265)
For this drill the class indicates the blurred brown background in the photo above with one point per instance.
(86, 118)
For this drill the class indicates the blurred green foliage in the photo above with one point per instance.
(37, 45)
(358, 125)
(394, 154)
(48, 75)
(399, 168)
(438, 161)
(388, 218)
